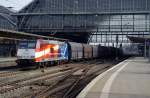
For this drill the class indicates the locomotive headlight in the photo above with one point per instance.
(56, 47)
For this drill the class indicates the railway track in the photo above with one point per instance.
(59, 85)
(9, 73)
(26, 83)
(54, 80)
(80, 81)
(56, 86)
(13, 70)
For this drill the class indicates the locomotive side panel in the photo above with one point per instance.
(51, 51)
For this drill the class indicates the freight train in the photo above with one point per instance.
(49, 52)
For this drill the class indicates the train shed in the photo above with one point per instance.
(107, 22)
(75, 49)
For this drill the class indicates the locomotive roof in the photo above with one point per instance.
(53, 41)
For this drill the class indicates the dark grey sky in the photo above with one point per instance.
(17, 4)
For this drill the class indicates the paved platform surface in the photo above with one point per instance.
(128, 79)
(7, 59)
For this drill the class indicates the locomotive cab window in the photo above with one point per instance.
(27, 44)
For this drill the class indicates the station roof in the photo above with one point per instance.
(6, 20)
(74, 19)
(22, 35)
(6, 10)
(139, 39)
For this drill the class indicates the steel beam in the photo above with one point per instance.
(23, 35)
(149, 51)
(83, 13)
(145, 49)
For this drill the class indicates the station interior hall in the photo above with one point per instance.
(75, 48)
(104, 22)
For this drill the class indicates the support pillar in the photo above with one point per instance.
(149, 51)
(145, 49)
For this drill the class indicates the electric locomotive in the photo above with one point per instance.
(41, 51)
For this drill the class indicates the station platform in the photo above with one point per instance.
(7, 59)
(128, 79)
